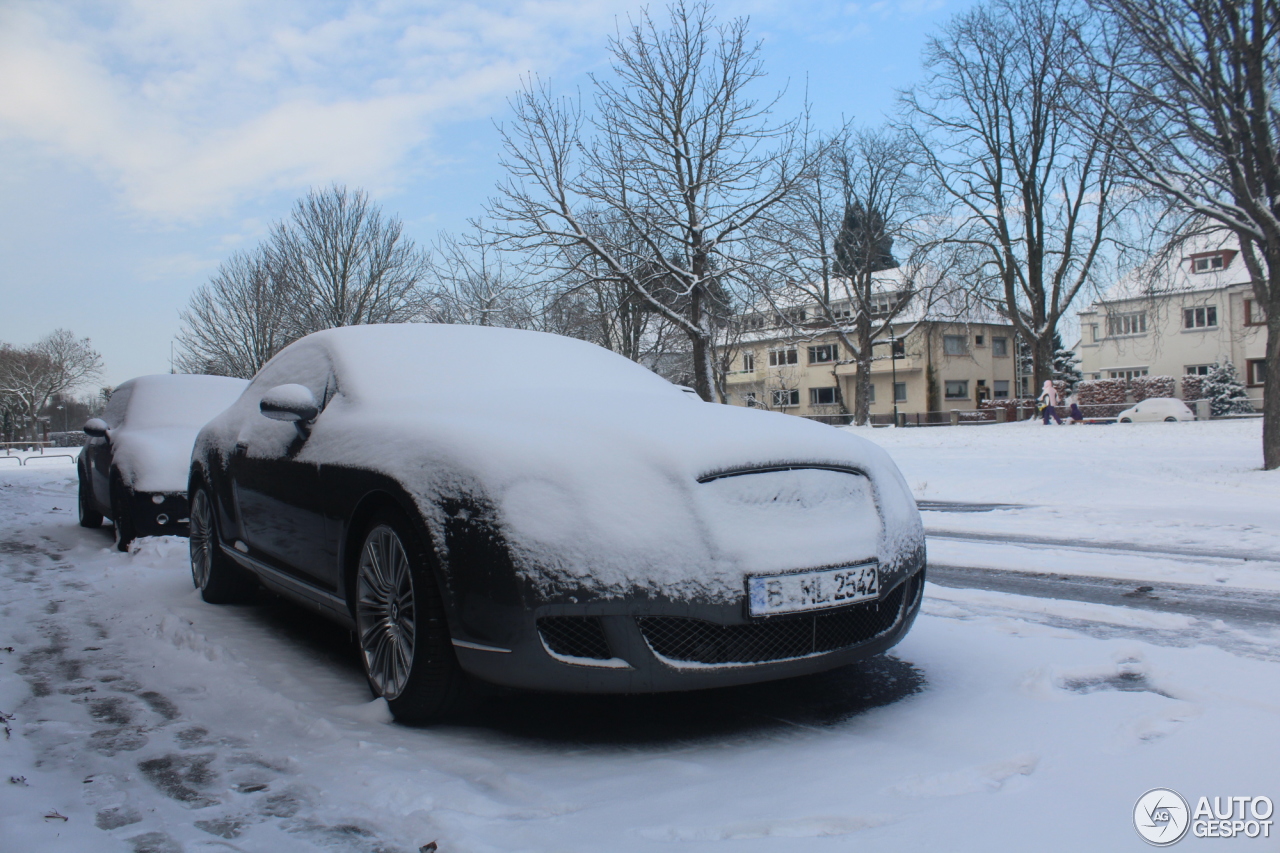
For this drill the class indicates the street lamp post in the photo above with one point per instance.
(895, 352)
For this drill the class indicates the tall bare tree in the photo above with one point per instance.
(56, 364)
(345, 263)
(237, 321)
(838, 236)
(336, 261)
(675, 146)
(1199, 84)
(1033, 188)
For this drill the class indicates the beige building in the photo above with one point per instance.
(945, 364)
(1195, 311)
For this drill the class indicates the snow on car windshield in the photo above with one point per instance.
(180, 400)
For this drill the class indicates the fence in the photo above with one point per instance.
(33, 450)
(998, 412)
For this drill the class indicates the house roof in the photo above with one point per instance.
(1171, 271)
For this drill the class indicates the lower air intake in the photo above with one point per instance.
(575, 636)
(780, 638)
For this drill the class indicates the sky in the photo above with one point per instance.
(144, 141)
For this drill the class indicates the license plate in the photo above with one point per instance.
(797, 592)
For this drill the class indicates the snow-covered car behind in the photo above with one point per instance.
(1157, 409)
(536, 511)
(133, 469)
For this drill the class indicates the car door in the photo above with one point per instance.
(280, 505)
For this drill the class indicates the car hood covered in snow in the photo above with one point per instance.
(598, 473)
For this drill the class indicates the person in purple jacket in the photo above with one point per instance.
(1050, 399)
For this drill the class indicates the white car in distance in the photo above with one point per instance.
(1157, 409)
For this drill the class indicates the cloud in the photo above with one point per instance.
(190, 108)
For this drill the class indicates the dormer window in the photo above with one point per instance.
(1211, 261)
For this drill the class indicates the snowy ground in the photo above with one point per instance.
(153, 722)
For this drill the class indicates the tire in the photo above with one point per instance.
(125, 531)
(1125, 421)
(404, 639)
(89, 517)
(218, 578)
(1171, 420)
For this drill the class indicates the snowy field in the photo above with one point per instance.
(141, 719)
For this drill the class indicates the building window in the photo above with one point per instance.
(1199, 369)
(1255, 371)
(822, 354)
(1200, 318)
(784, 398)
(1001, 391)
(1209, 263)
(871, 393)
(1128, 373)
(749, 398)
(899, 392)
(748, 362)
(978, 340)
(1253, 313)
(1000, 347)
(884, 304)
(957, 389)
(822, 396)
(780, 357)
(1093, 331)
(953, 345)
(1127, 324)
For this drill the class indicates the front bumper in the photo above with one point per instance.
(650, 647)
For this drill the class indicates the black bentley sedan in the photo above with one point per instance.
(535, 511)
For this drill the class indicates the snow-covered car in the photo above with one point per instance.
(1157, 409)
(535, 511)
(133, 468)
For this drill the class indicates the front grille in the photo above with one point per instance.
(575, 636)
(779, 638)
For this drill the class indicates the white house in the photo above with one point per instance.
(1179, 316)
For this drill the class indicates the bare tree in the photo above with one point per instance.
(345, 263)
(56, 364)
(1198, 81)
(236, 322)
(1010, 138)
(675, 147)
(476, 284)
(839, 235)
(335, 262)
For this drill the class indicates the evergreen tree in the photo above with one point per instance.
(1225, 392)
(1066, 368)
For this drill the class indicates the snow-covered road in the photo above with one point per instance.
(141, 719)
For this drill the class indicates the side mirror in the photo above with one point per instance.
(292, 403)
(95, 428)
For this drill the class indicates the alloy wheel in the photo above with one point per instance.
(386, 618)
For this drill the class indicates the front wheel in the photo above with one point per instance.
(219, 580)
(400, 623)
(1171, 420)
(1125, 421)
(89, 517)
